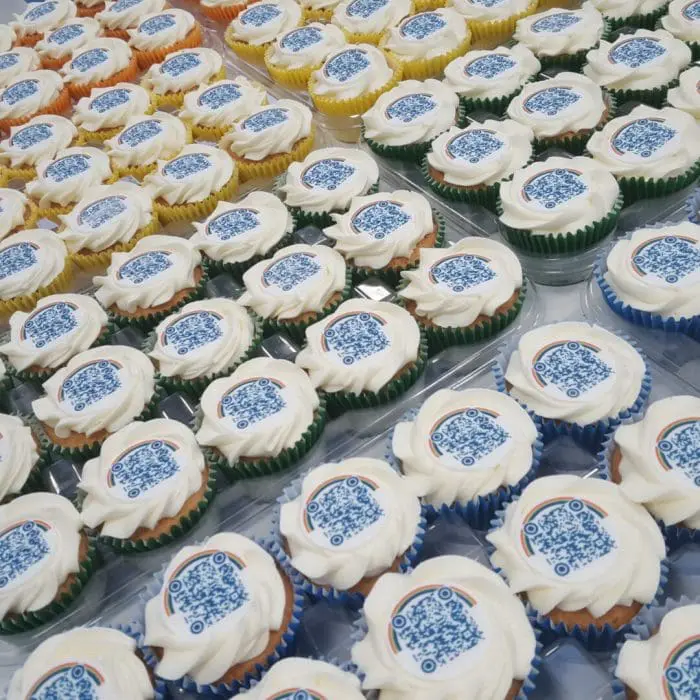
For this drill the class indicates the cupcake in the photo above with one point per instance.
(254, 29)
(631, 13)
(299, 285)
(470, 165)
(119, 16)
(683, 21)
(562, 111)
(261, 419)
(404, 121)
(222, 10)
(578, 379)
(652, 278)
(382, 234)
(326, 181)
(202, 341)
(559, 205)
(89, 8)
(21, 471)
(425, 43)
(231, 604)
(162, 33)
(212, 109)
(264, 143)
(144, 140)
(364, 21)
(651, 152)
(638, 67)
(182, 72)
(99, 63)
(493, 21)
(149, 485)
(489, 79)
(30, 94)
(561, 38)
(158, 276)
(295, 54)
(7, 37)
(97, 393)
(364, 354)
(47, 558)
(571, 576)
(318, 10)
(344, 525)
(22, 59)
(465, 293)
(39, 19)
(57, 328)
(19, 213)
(441, 630)
(58, 45)
(33, 264)
(686, 96)
(86, 659)
(237, 235)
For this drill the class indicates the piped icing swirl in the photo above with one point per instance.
(183, 70)
(622, 9)
(67, 38)
(683, 20)
(160, 28)
(427, 34)
(18, 455)
(489, 10)
(42, 17)
(686, 96)
(21, 59)
(7, 37)
(370, 16)
(29, 92)
(111, 107)
(96, 61)
(125, 14)
(262, 22)
(41, 138)
(13, 207)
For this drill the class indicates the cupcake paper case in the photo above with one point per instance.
(493, 22)
(686, 96)
(364, 21)
(119, 16)
(631, 13)
(222, 10)
(38, 19)
(19, 212)
(21, 59)
(20, 455)
(683, 21)
(58, 45)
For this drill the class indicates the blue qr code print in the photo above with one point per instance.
(380, 219)
(669, 258)
(90, 384)
(47, 325)
(7, 60)
(364, 8)
(642, 137)
(216, 97)
(186, 166)
(327, 174)
(679, 448)
(636, 52)
(354, 337)
(153, 25)
(19, 91)
(460, 273)
(422, 26)
(103, 210)
(410, 107)
(21, 547)
(266, 119)
(65, 34)
(682, 675)
(554, 188)
(251, 402)
(474, 145)
(260, 14)
(346, 65)
(31, 135)
(233, 223)
(291, 271)
(144, 467)
(67, 167)
(299, 39)
(89, 59)
(489, 67)
(17, 258)
(69, 682)
(145, 266)
(193, 331)
(109, 100)
(177, 65)
(554, 24)
(692, 11)
(139, 133)
(551, 101)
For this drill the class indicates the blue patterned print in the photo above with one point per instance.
(192, 331)
(346, 65)
(327, 174)
(233, 223)
(265, 119)
(216, 97)
(260, 14)
(31, 135)
(17, 258)
(291, 271)
(65, 34)
(20, 91)
(678, 448)
(355, 336)
(642, 137)
(365, 8)
(67, 167)
(68, 682)
(145, 266)
(489, 67)
(555, 24)
(7, 60)
(692, 11)
(90, 384)
(144, 467)
(98, 213)
(380, 219)
(123, 5)
(461, 273)
(553, 188)
(474, 145)
(186, 166)
(138, 133)
(110, 100)
(177, 65)
(297, 694)
(551, 101)
(672, 259)
(22, 546)
(299, 39)
(422, 26)
(487, 3)
(156, 24)
(411, 107)
(681, 679)
(636, 52)
(252, 401)
(35, 13)
(89, 59)
(47, 325)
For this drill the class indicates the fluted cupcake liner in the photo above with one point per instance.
(9, 173)
(573, 61)
(320, 14)
(135, 630)
(237, 269)
(27, 302)
(176, 99)
(427, 5)
(146, 58)
(695, 49)
(60, 105)
(294, 78)
(274, 165)
(495, 105)
(648, 20)
(423, 68)
(636, 188)
(225, 13)
(126, 75)
(500, 30)
(251, 53)
(654, 97)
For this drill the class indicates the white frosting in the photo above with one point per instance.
(453, 286)
(598, 562)
(368, 343)
(160, 29)
(111, 654)
(306, 46)
(581, 189)
(482, 154)
(659, 460)
(203, 338)
(480, 626)
(489, 73)
(219, 3)
(96, 61)
(33, 258)
(318, 678)
(319, 186)
(196, 173)
(621, 9)
(150, 274)
(123, 14)
(682, 20)
(338, 533)
(222, 103)
(350, 71)
(7, 37)
(427, 34)
(482, 11)
(601, 377)
(59, 327)
(259, 419)
(236, 232)
(107, 388)
(13, 210)
(656, 59)
(231, 631)
(370, 18)
(659, 144)
(40, 138)
(111, 107)
(412, 112)
(319, 4)
(183, 70)
(72, 35)
(17, 61)
(18, 455)
(263, 22)
(362, 237)
(42, 17)
(556, 31)
(686, 96)
(269, 130)
(118, 499)
(29, 92)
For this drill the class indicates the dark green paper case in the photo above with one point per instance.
(496, 105)
(695, 48)
(636, 188)
(486, 196)
(645, 21)
(573, 61)
(654, 97)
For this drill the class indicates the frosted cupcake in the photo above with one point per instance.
(162, 33)
(20, 454)
(149, 485)
(493, 21)
(686, 96)
(404, 121)
(631, 13)
(89, 8)
(683, 21)
(58, 45)
(261, 419)
(30, 94)
(119, 16)
(17, 61)
(489, 79)
(18, 212)
(222, 10)
(318, 10)
(37, 20)
(464, 293)
(202, 341)
(364, 21)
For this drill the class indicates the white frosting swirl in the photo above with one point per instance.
(161, 29)
(72, 35)
(367, 490)
(482, 11)
(204, 645)
(412, 112)
(604, 568)
(111, 107)
(269, 130)
(575, 372)
(427, 34)
(328, 178)
(183, 70)
(436, 665)
(306, 46)
(482, 154)
(103, 388)
(360, 347)
(18, 455)
(7, 37)
(96, 61)
(453, 286)
(40, 138)
(42, 17)
(196, 173)
(262, 22)
(686, 96)
(647, 142)
(17, 61)
(682, 20)
(29, 92)
(124, 14)
(638, 61)
(111, 654)
(117, 500)
(59, 327)
(370, 18)
(13, 210)
(263, 408)
(621, 9)
(222, 103)
(203, 338)
(150, 274)
(30, 259)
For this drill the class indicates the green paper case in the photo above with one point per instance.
(485, 195)
(636, 188)
(236, 270)
(496, 105)
(654, 97)
(644, 21)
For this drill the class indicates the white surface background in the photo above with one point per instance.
(9, 7)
